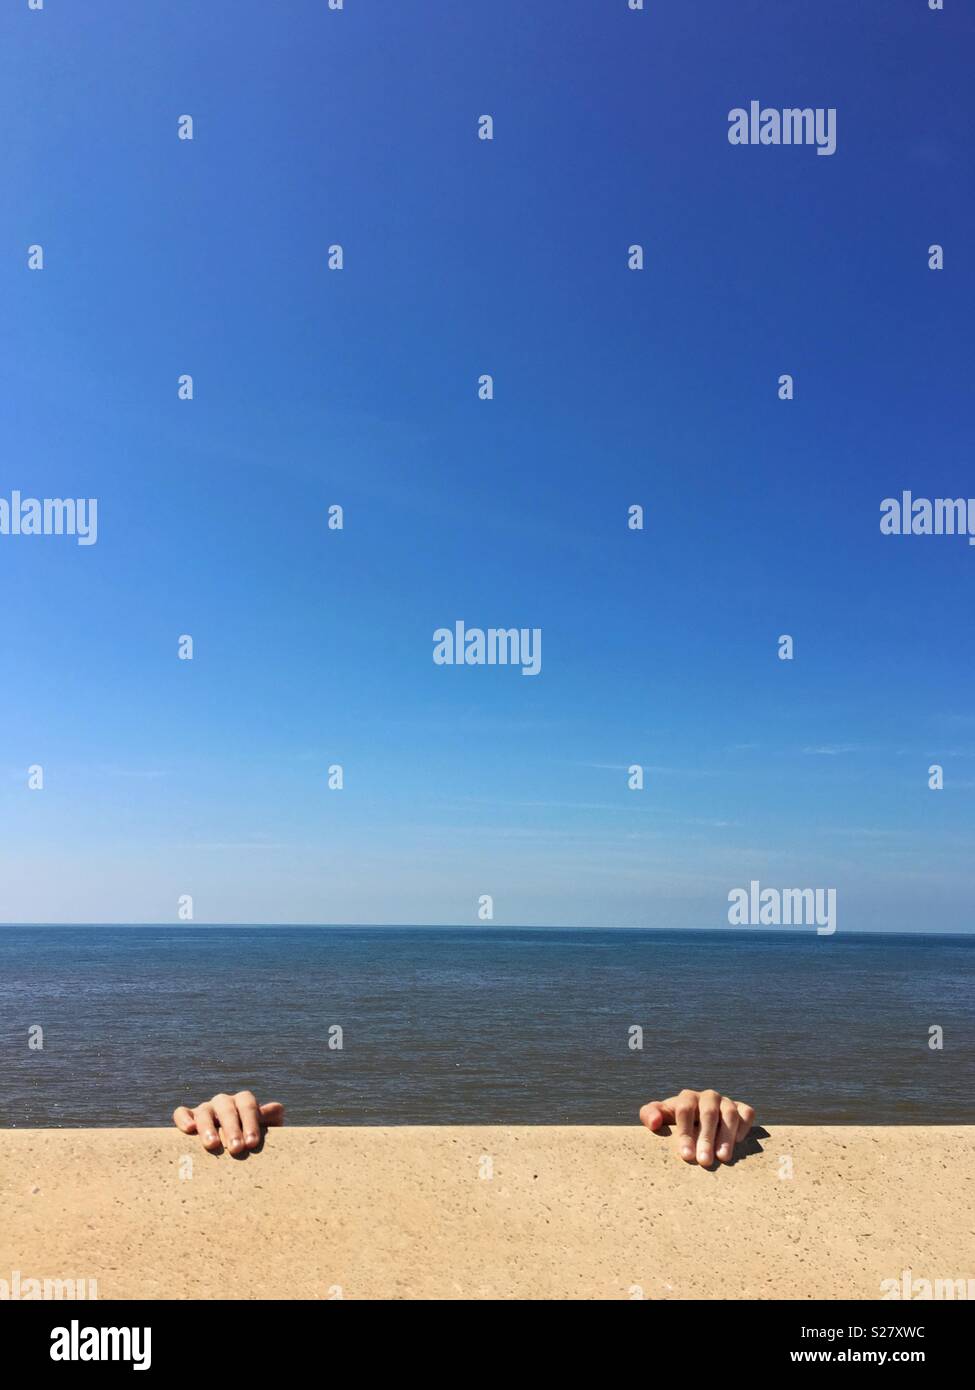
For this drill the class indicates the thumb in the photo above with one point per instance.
(655, 1113)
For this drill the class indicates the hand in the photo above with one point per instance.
(722, 1122)
(238, 1118)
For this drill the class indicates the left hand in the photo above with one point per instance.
(704, 1123)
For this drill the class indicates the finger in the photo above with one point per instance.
(206, 1126)
(746, 1118)
(272, 1113)
(183, 1119)
(709, 1112)
(727, 1131)
(229, 1121)
(658, 1112)
(685, 1113)
(250, 1118)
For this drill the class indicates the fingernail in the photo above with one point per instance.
(235, 1143)
(704, 1156)
(252, 1138)
(724, 1151)
(687, 1151)
(210, 1136)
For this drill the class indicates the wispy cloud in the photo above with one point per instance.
(232, 844)
(148, 773)
(651, 767)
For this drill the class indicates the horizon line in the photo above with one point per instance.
(747, 929)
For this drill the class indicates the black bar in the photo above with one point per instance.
(270, 1338)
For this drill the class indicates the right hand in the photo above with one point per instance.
(233, 1122)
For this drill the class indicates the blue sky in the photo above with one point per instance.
(358, 387)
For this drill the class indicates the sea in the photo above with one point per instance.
(116, 1025)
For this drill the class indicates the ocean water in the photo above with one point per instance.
(483, 1025)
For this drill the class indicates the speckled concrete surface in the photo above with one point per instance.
(568, 1213)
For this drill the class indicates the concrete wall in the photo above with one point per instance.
(568, 1213)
